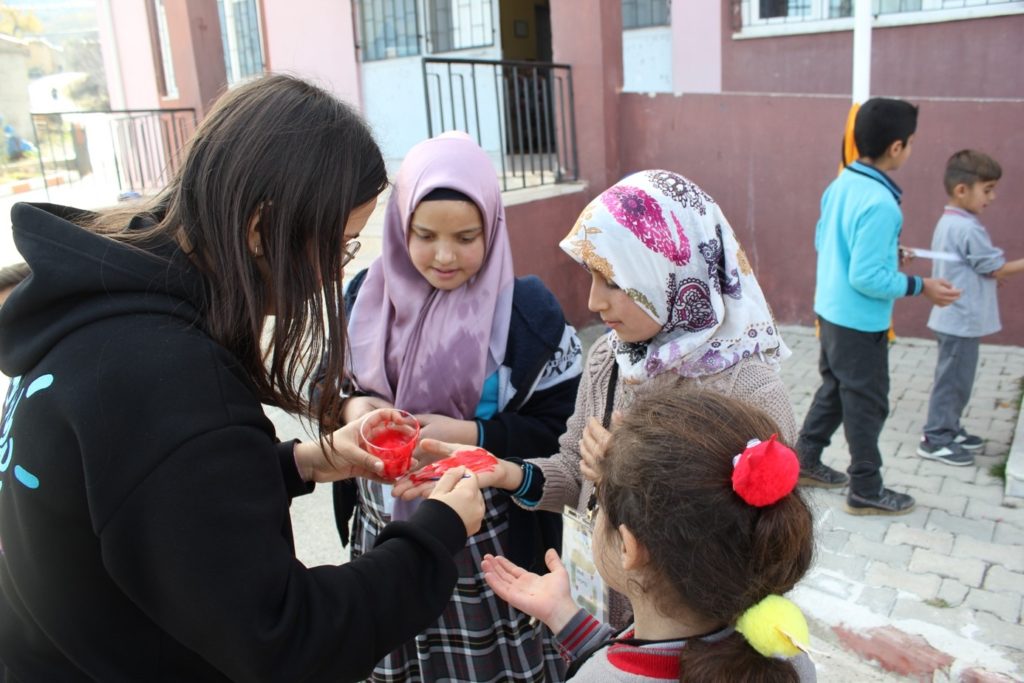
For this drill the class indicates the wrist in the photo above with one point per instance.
(306, 455)
(561, 615)
(511, 475)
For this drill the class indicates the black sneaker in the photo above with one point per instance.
(969, 442)
(888, 502)
(951, 454)
(822, 476)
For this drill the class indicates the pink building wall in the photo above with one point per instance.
(128, 54)
(969, 58)
(767, 159)
(535, 229)
(314, 39)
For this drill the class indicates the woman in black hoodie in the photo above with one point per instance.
(143, 494)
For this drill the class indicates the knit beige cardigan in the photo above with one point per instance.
(752, 381)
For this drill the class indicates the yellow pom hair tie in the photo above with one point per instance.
(775, 627)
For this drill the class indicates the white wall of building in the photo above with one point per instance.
(697, 46)
(647, 59)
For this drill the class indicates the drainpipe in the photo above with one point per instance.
(861, 51)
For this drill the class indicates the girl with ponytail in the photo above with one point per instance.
(700, 525)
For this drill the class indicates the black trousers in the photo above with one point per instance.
(854, 392)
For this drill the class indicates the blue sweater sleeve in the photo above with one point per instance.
(873, 258)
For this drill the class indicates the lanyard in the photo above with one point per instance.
(606, 421)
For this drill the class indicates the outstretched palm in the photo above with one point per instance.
(547, 597)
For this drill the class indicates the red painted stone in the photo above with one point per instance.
(896, 651)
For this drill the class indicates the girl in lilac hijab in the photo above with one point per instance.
(439, 326)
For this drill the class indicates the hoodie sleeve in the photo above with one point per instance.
(203, 546)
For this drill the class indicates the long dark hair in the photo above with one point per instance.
(293, 156)
(668, 477)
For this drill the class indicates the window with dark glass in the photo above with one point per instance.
(389, 29)
(644, 13)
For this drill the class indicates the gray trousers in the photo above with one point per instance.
(954, 379)
(854, 393)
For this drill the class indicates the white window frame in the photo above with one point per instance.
(234, 71)
(166, 57)
(470, 25)
(931, 12)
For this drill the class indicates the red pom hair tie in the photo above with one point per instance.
(765, 472)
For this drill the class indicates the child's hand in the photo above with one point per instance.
(444, 428)
(458, 489)
(906, 255)
(940, 291)
(506, 475)
(356, 407)
(592, 449)
(547, 597)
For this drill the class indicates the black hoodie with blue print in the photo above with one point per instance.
(144, 497)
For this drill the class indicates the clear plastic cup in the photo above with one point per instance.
(393, 441)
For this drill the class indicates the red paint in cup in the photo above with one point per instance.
(393, 441)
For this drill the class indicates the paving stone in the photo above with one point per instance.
(967, 488)
(952, 592)
(901, 534)
(899, 463)
(1009, 556)
(949, 618)
(1006, 606)
(996, 631)
(832, 583)
(858, 546)
(939, 520)
(1008, 533)
(969, 571)
(918, 482)
(1001, 580)
(871, 528)
(878, 599)
(834, 539)
(923, 585)
(954, 505)
(948, 472)
(980, 509)
(848, 565)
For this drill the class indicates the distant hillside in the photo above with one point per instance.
(62, 19)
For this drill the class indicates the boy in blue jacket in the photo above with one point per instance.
(858, 280)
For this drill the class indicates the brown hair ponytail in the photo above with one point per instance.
(667, 476)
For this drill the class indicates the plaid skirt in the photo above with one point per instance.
(479, 637)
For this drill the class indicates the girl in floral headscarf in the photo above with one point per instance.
(683, 305)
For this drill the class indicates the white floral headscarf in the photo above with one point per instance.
(666, 243)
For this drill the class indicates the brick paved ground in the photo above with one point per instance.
(936, 594)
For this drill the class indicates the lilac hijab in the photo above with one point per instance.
(428, 350)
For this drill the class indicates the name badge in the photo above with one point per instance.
(588, 588)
